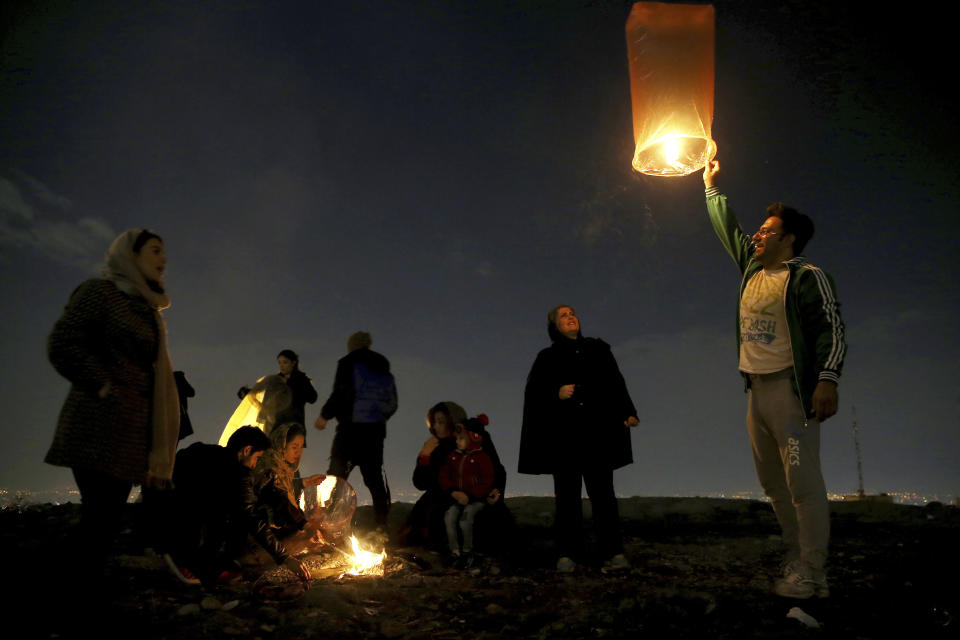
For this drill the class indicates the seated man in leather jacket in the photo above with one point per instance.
(215, 507)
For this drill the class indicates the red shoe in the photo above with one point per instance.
(228, 577)
(182, 574)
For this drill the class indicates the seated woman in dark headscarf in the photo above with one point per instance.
(425, 524)
(278, 489)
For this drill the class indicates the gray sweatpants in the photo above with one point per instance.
(786, 452)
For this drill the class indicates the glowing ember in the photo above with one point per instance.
(362, 562)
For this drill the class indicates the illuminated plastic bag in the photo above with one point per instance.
(330, 506)
(670, 49)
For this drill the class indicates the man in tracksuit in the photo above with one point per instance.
(791, 343)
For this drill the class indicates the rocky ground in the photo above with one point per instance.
(702, 568)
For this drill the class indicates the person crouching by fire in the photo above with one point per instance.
(277, 487)
(215, 509)
(468, 476)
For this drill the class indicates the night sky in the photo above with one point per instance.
(441, 174)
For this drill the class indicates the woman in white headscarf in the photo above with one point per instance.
(120, 422)
(278, 487)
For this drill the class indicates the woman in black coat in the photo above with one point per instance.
(576, 418)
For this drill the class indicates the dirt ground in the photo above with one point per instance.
(702, 568)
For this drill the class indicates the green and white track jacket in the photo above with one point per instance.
(810, 300)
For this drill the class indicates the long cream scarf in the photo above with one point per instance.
(121, 269)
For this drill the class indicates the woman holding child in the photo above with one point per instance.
(426, 522)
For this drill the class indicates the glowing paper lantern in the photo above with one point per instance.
(670, 49)
(247, 413)
(260, 407)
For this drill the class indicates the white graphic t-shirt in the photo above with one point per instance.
(764, 338)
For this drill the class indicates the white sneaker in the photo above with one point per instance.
(566, 565)
(618, 562)
(801, 585)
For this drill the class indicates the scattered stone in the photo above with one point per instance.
(392, 629)
(674, 591)
(211, 604)
(799, 614)
(268, 613)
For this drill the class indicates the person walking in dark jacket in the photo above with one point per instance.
(363, 399)
(576, 414)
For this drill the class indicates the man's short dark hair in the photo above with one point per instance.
(359, 340)
(248, 437)
(798, 224)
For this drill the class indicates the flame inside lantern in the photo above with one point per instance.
(321, 498)
(672, 155)
(330, 506)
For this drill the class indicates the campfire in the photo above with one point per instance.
(329, 507)
(363, 562)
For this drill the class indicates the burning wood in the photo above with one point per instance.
(363, 562)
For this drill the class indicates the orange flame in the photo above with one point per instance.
(363, 562)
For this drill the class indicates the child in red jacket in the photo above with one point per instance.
(468, 476)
